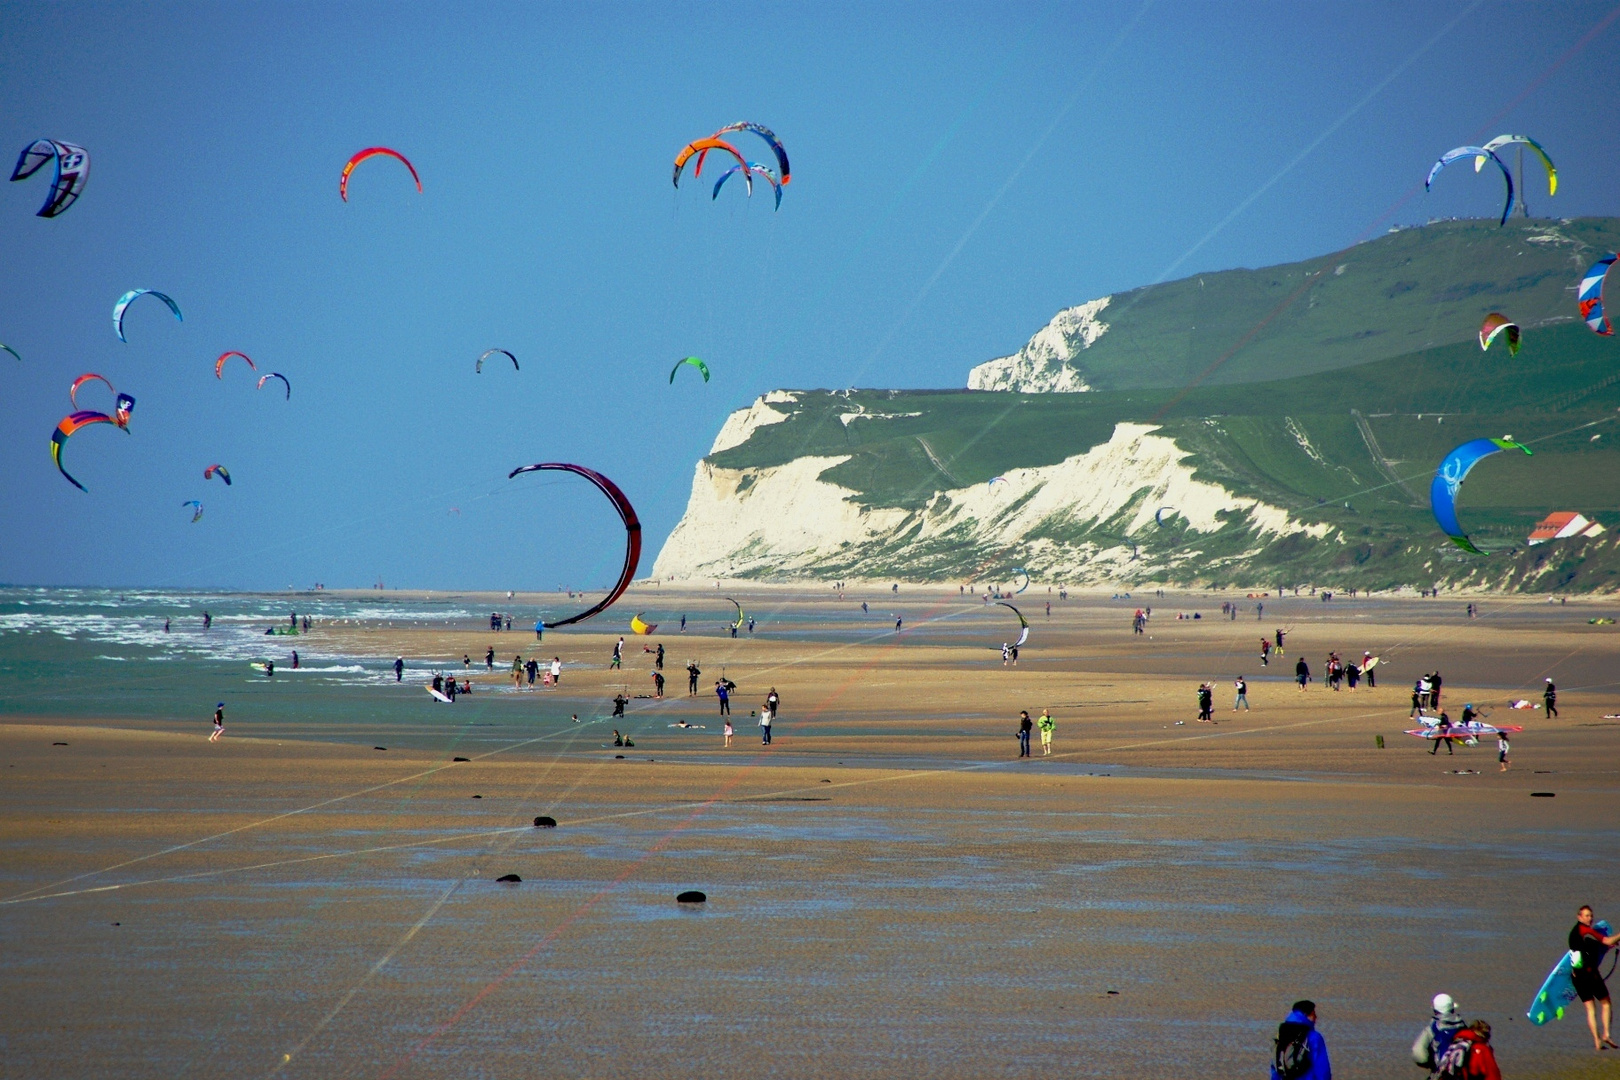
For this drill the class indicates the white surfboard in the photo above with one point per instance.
(438, 695)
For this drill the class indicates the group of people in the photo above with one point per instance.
(1025, 725)
(532, 668)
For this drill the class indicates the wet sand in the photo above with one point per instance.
(890, 891)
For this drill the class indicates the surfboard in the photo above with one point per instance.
(438, 695)
(1557, 993)
(256, 666)
(1374, 662)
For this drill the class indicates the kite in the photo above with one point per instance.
(1493, 326)
(1590, 296)
(1158, 515)
(373, 151)
(694, 362)
(990, 483)
(65, 430)
(1025, 585)
(638, 626)
(208, 474)
(72, 171)
(121, 411)
(456, 510)
(478, 368)
(1023, 634)
(1507, 140)
(12, 351)
(1476, 151)
(275, 375)
(741, 618)
(754, 169)
(219, 365)
(1449, 477)
(198, 515)
(702, 145)
(124, 302)
(632, 533)
(763, 132)
(73, 391)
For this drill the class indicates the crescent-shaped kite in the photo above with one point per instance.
(1023, 634)
(72, 172)
(639, 626)
(691, 361)
(702, 145)
(632, 533)
(1497, 325)
(208, 474)
(73, 391)
(741, 618)
(128, 298)
(12, 351)
(1590, 295)
(1449, 477)
(754, 169)
(1025, 585)
(478, 368)
(1502, 141)
(370, 152)
(1158, 515)
(991, 483)
(219, 365)
(763, 132)
(275, 375)
(1474, 151)
(198, 515)
(65, 430)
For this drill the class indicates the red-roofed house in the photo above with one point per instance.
(1564, 524)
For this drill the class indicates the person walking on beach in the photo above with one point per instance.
(517, 671)
(466, 661)
(1242, 688)
(219, 722)
(438, 683)
(399, 668)
(489, 659)
(1442, 734)
(658, 657)
(531, 668)
(897, 622)
(1431, 1044)
(618, 655)
(692, 673)
(556, 670)
(1593, 945)
(728, 731)
(724, 695)
(683, 624)
(1434, 690)
(450, 689)
(658, 685)
(1302, 673)
(1417, 699)
(1206, 704)
(1502, 748)
(1046, 724)
(1006, 653)
(1549, 698)
(1367, 666)
(1025, 725)
(1300, 1052)
(1265, 652)
(773, 702)
(765, 726)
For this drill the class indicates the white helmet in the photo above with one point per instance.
(1443, 1004)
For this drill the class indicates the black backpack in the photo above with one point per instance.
(1291, 1057)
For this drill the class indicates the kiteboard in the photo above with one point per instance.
(438, 695)
(1471, 730)
(1557, 993)
(1369, 665)
(257, 666)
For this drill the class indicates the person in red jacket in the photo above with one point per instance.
(1470, 1055)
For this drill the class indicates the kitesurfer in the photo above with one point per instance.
(1442, 733)
(1549, 698)
(208, 621)
(1366, 669)
(724, 695)
(489, 659)
(618, 655)
(1587, 976)
(683, 624)
(1300, 1052)
(450, 689)
(1025, 725)
(619, 702)
(438, 683)
(1431, 1044)
(399, 668)
(692, 673)
(219, 722)
(269, 669)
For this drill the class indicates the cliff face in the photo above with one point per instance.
(1047, 364)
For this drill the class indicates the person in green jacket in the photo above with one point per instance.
(1046, 724)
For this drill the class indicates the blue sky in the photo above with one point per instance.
(961, 172)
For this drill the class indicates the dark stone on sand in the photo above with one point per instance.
(379, 747)
(509, 879)
(618, 757)
(1543, 794)
(118, 924)
(1113, 993)
(545, 822)
(691, 896)
(478, 796)
(460, 759)
(826, 781)
(58, 744)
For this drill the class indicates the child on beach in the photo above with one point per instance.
(729, 732)
(1502, 749)
(219, 722)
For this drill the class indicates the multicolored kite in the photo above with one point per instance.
(754, 169)
(208, 474)
(370, 152)
(219, 365)
(275, 375)
(478, 368)
(632, 533)
(640, 626)
(73, 391)
(72, 423)
(1502, 141)
(124, 302)
(1474, 151)
(1494, 325)
(1023, 634)
(703, 146)
(72, 172)
(1590, 295)
(763, 132)
(198, 515)
(1449, 477)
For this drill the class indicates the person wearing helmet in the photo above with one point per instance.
(1432, 1042)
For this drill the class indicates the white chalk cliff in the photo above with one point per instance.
(786, 520)
(1047, 364)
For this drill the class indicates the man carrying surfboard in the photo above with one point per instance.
(1593, 945)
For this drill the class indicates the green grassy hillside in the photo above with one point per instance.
(1375, 433)
(1393, 296)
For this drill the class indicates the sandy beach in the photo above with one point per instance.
(890, 890)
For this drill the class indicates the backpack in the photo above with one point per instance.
(1291, 1059)
(1454, 1062)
